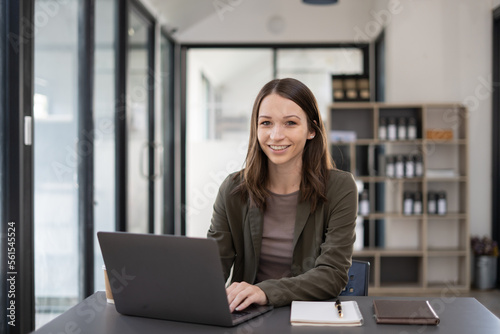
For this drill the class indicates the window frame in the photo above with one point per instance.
(16, 105)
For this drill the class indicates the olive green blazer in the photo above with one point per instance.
(322, 242)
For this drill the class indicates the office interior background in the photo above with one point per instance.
(128, 114)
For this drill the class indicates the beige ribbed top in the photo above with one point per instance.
(277, 236)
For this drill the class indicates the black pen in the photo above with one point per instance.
(339, 307)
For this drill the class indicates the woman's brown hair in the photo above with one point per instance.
(316, 159)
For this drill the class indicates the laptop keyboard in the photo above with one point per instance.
(240, 314)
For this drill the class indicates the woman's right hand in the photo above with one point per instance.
(240, 295)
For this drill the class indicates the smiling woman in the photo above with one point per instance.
(283, 99)
(285, 223)
(282, 133)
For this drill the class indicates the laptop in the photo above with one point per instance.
(169, 277)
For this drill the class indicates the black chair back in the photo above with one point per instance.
(357, 280)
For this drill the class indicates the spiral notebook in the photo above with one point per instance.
(313, 313)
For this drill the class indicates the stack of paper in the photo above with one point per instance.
(305, 313)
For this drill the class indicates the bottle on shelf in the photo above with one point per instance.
(399, 167)
(389, 166)
(391, 129)
(412, 128)
(442, 206)
(419, 166)
(431, 203)
(364, 203)
(402, 128)
(409, 167)
(417, 203)
(408, 203)
(382, 128)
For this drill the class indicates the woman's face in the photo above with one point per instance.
(282, 131)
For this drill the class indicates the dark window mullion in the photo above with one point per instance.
(17, 168)
(3, 158)
(168, 106)
(496, 133)
(121, 115)
(151, 127)
(26, 75)
(182, 133)
(85, 146)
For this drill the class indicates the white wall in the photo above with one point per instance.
(440, 51)
(437, 51)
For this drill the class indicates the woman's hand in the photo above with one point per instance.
(241, 295)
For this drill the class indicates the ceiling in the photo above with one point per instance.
(182, 14)
(179, 15)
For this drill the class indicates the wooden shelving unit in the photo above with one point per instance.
(409, 253)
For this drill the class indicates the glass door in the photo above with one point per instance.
(140, 121)
(56, 161)
(104, 128)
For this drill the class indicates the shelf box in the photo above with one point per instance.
(397, 112)
(447, 270)
(448, 160)
(400, 271)
(456, 194)
(358, 120)
(350, 88)
(403, 234)
(452, 117)
(446, 234)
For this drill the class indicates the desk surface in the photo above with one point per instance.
(95, 315)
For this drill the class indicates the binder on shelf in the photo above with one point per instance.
(380, 233)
